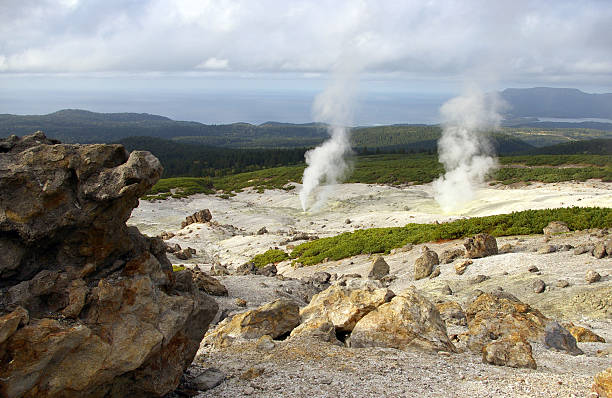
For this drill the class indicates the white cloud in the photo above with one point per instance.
(528, 40)
(213, 64)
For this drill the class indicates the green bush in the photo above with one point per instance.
(382, 240)
(272, 256)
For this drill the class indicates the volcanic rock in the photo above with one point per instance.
(592, 276)
(379, 268)
(603, 383)
(582, 334)
(603, 249)
(547, 249)
(344, 306)
(481, 245)
(409, 320)
(207, 283)
(492, 316)
(462, 266)
(267, 270)
(452, 313)
(320, 328)
(583, 248)
(424, 265)
(555, 228)
(246, 269)
(538, 286)
(559, 338)
(95, 302)
(202, 216)
(513, 351)
(448, 256)
(275, 319)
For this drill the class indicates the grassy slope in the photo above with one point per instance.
(382, 240)
(397, 169)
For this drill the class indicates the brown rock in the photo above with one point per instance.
(481, 245)
(452, 313)
(538, 286)
(448, 256)
(378, 269)
(408, 321)
(208, 284)
(67, 251)
(320, 328)
(592, 276)
(424, 265)
(513, 351)
(275, 319)
(555, 228)
(603, 383)
(344, 306)
(462, 266)
(202, 216)
(492, 316)
(582, 334)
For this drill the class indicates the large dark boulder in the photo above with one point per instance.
(88, 306)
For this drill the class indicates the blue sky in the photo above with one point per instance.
(72, 52)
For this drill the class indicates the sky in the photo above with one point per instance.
(256, 60)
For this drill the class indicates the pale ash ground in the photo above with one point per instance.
(322, 370)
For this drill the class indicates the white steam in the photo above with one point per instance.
(329, 163)
(463, 149)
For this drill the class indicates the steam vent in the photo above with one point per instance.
(88, 307)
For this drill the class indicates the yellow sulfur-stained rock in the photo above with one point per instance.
(583, 335)
(603, 383)
(513, 351)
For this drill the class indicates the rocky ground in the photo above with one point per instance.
(548, 273)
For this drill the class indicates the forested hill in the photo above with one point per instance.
(72, 125)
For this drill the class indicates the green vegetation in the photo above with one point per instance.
(272, 256)
(177, 268)
(382, 240)
(393, 169)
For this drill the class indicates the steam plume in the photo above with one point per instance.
(464, 151)
(328, 164)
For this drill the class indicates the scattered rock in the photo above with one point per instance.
(321, 277)
(452, 313)
(513, 351)
(378, 269)
(492, 316)
(409, 320)
(538, 286)
(404, 249)
(462, 266)
(202, 216)
(479, 279)
(268, 270)
(481, 245)
(506, 248)
(446, 290)
(166, 235)
(344, 306)
(603, 383)
(562, 283)
(435, 273)
(603, 249)
(546, 249)
(208, 284)
(262, 231)
(219, 270)
(424, 265)
(584, 248)
(265, 343)
(448, 256)
(533, 268)
(246, 269)
(555, 228)
(240, 302)
(275, 319)
(559, 338)
(173, 248)
(185, 254)
(320, 328)
(347, 221)
(252, 373)
(592, 276)
(583, 335)
(208, 379)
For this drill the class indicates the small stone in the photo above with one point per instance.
(435, 273)
(584, 248)
(248, 391)
(546, 249)
(379, 268)
(479, 279)
(252, 373)
(533, 268)
(539, 286)
(446, 290)
(562, 283)
(424, 265)
(347, 221)
(448, 256)
(265, 343)
(262, 230)
(208, 379)
(506, 248)
(462, 266)
(592, 276)
(240, 302)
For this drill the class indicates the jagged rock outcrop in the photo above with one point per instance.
(379, 268)
(603, 383)
(425, 263)
(202, 216)
(88, 306)
(408, 321)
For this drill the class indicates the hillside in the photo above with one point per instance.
(557, 103)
